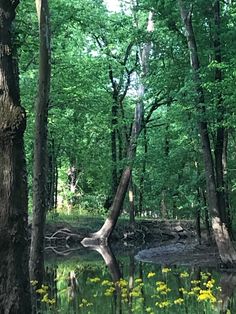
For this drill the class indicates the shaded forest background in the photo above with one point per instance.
(93, 73)
(141, 101)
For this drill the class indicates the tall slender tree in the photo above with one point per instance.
(221, 234)
(40, 146)
(14, 270)
(221, 133)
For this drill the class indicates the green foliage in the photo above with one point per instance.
(87, 42)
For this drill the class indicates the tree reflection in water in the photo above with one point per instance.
(128, 286)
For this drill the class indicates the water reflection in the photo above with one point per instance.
(100, 283)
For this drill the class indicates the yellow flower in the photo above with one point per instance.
(107, 283)
(84, 303)
(95, 280)
(33, 282)
(138, 280)
(210, 283)
(195, 282)
(51, 301)
(109, 291)
(184, 274)
(135, 293)
(45, 298)
(164, 292)
(178, 301)
(151, 274)
(163, 304)
(165, 270)
(183, 290)
(161, 287)
(205, 276)
(206, 295)
(122, 283)
(42, 290)
(196, 289)
(159, 283)
(108, 294)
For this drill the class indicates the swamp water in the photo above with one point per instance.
(83, 283)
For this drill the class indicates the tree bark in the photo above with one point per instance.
(14, 270)
(51, 170)
(142, 178)
(220, 132)
(221, 234)
(114, 145)
(131, 203)
(40, 147)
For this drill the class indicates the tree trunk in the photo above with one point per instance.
(131, 204)
(114, 147)
(51, 170)
(56, 185)
(206, 216)
(104, 233)
(40, 147)
(141, 184)
(14, 270)
(198, 216)
(221, 234)
(220, 132)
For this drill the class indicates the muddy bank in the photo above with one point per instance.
(144, 231)
(186, 253)
(63, 238)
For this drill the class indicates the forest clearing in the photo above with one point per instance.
(117, 156)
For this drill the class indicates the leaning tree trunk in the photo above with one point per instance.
(132, 211)
(14, 270)
(40, 147)
(221, 234)
(114, 130)
(104, 233)
(143, 173)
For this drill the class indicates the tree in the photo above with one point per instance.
(14, 270)
(40, 147)
(104, 233)
(224, 244)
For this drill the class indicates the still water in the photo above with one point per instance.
(97, 282)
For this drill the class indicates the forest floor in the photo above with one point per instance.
(143, 231)
(165, 242)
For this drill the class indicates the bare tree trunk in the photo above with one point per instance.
(206, 215)
(198, 216)
(51, 170)
(14, 269)
(114, 146)
(141, 184)
(221, 234)
(220, 133)
(131, 204)
(40, 147)
(56, 185)
(104, 233)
